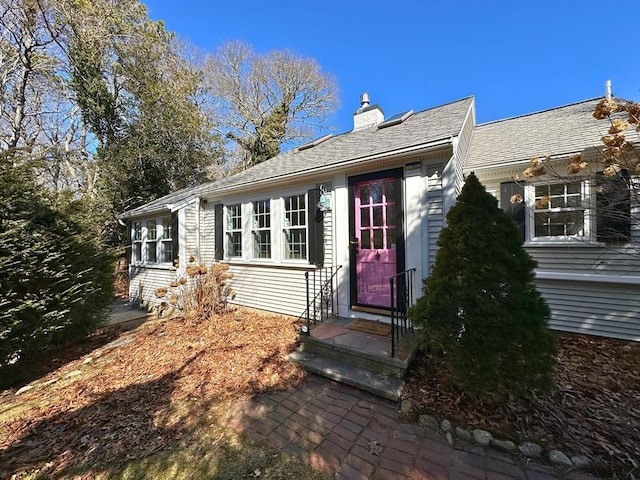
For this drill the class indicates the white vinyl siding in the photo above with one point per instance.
(190, 233)
(435, 216)
(596, 308)
(281, 290)
(207, 235)
(143, 282)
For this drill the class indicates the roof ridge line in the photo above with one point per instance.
(538, 112)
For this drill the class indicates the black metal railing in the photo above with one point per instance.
(401, 300)
(322, 293)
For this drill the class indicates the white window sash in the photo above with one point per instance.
(587, 208)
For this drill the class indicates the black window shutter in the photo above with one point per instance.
(515, 210)
(315, 218)
(218, 214)
(613, 208)
(175, 244)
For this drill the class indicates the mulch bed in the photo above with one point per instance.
(594, 409)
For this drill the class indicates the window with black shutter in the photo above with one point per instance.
(512, 203)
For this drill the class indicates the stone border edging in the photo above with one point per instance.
(482, 438)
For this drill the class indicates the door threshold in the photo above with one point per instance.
(376, 311)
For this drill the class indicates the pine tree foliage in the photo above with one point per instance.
(481, 312)
(56, 280)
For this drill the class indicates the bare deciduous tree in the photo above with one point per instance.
(263, 101)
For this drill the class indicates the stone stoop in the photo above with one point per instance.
(381, 374)
(381, 363)
(360, 378)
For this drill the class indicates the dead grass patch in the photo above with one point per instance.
(153, 398)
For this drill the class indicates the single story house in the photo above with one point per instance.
(373, 201)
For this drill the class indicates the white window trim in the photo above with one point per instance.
(277, 232)
(285, 227)
(588, 206)
(227, 230)
(254, 229)
(166, 224)
(145, 242)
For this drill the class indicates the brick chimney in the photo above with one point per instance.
(367, 115)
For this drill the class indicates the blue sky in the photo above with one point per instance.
(515, 57)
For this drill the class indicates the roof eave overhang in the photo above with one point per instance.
(166, 207)
(429, 147)
(590, 153)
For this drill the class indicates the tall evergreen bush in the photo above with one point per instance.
(56, 280)
(481, 313)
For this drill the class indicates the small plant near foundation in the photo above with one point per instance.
(203, 292)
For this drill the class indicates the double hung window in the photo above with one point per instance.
(234, 230)
(137, 242)
(152, 239)
(166, 245)
(295, 227)
(262, 229)
(589, 210)
(559, 210)
(276, 229)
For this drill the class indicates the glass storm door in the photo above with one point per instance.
(375, 228)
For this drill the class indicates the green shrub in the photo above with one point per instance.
(56, 280)
(480, 312)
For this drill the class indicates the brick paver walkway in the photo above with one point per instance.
(354, 435)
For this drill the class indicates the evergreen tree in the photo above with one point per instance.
(481, 312)
(56, 280)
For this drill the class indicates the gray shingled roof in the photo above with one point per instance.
(559, 131)
(422, 128)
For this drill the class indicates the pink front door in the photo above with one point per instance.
(376, 205)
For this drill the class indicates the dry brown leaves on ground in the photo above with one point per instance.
(594, 409)
(134, 396)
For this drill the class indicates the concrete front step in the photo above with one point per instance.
(382, 363)
(361, 378)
